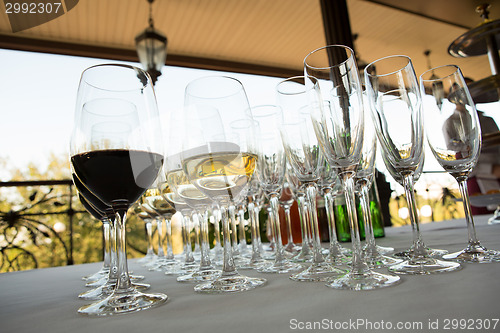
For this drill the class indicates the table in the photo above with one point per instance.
(45, 300)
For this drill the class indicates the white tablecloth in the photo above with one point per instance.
(45, 300)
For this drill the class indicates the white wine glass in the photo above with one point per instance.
(396, 108)
(339, 127)
(454, 136)
(116, 152)
(184, 193)
(220, 161)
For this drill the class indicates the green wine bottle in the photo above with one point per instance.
(342, 222)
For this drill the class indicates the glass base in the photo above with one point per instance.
(102, 273)
(292, 248)
(303, 256)
(107, 289)
(255, 264)
(495, 219)
(147, 258)
(200, 276)
(474, 254)
(384, 250)
(104, 280)
(366, 281)
(433, 253)
(423, 266)
(339, 259)
(378, 261)
(119, 303)
(322, 271)
(229, 284)
(282, 267)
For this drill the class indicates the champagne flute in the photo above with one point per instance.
(364, 180)
(220, 161)
(303, 154)
(454, 136)
(116, 153)
(339, 127)
(272, 166)
(396, 109)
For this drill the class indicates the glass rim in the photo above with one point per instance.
(225, 77)
(329, 47)
(373, 63)
(294, 79)
(440, 77)
(117, 65)
(273, 109)
(85, 107)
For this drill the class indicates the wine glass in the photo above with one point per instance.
(100, 214)
(184, 193)
(154, 203)
(364, 180)
(454, 136)
(116, 153)
(148, 225)
(220, 161)
(271, 164)
(303, 154)
(339, 127)
(396, 109)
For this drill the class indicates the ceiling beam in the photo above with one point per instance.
(336, 23)
(121, 54)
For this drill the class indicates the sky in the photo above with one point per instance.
(37, 101)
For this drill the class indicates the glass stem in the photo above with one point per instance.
(276, 225)
(303, 217)
(418, 244)
(107, 244)
(228, 267)
(159, 229)
(149, 235)
(123, 284)
(257, 227)
(197, 236)
(358, 264)
(205, 262)
(186, 221)
(364, 198)
(234, 238)
(168, 236)
(113, 263)
(216, 214)
(311, 193)
(471, 229)
(288, 220)
(241, 229)
(253, 230)
(332, 230)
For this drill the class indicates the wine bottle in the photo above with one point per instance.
(342, 221)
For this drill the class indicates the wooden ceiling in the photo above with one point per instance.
(269, 37)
